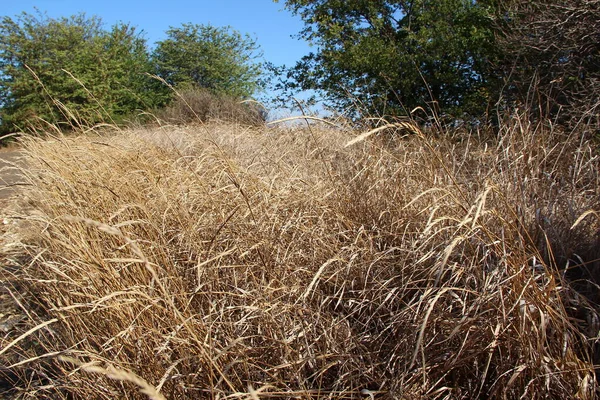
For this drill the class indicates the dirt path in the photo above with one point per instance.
(10, 177)
(12, 318)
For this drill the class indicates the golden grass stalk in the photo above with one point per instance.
(26, 334)
(119, 375)
(402, 125)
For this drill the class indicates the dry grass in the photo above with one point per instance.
(227, 262)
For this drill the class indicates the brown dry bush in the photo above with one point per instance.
(197, 105)
(552, 51)
(227, 262)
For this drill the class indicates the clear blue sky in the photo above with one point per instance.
(265, 20)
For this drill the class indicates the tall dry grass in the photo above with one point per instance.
(228, 262)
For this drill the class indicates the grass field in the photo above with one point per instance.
(218, 261)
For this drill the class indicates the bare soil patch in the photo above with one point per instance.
(10, 175)
(12, 316)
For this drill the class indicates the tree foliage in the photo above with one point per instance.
(391, 56)
(469, 56)
(70, 70)
(219, 59)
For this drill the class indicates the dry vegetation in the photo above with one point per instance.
(226, 262)
(192, 105)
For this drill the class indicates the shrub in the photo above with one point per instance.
(201, 105)
(70, 72)
(554, 47)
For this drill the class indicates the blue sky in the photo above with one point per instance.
(266, 21)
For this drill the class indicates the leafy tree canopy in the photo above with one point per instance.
(70, 70)
(219, 59)
(390, 56)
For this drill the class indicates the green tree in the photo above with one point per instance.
(392, 56)
(69, 71)
(219, 59)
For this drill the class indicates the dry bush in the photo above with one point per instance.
(201, 105)
(220, 262)
(552, 53)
